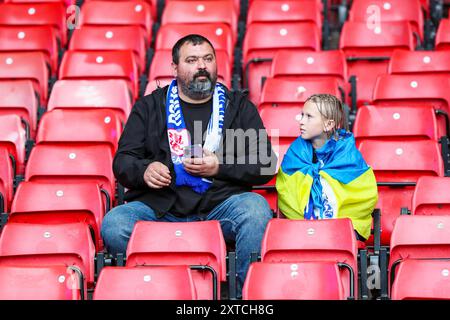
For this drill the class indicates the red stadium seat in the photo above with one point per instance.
(55, 282)
(282, 118)
(26, 66)
(29, 244)
(13, 136)
(403, 162)
(263, 40)
(192, 12)
(161, 68)
(71, 127)
(290, 10)
(101, 65)
(18, 97)
(36, 14)
(80, 163)
(184, 243)
(92, 94)
(6, 180)
(236, 3)
(419, 237)
(442, 41)
(65, 2)
(368, 51)
(414, 90)
(371, 11)
(293, 281)
(429, 198)
(421, 279)
(56, 203)
(310, 66)
(145, 283)
(219, 34)
(395, 122)
(119, 13)
(36, 38)
(153, 7)
(155, 84)
(420, 62)
(98, 38)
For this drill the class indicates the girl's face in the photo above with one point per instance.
(312, 125)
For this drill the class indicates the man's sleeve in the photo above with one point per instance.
(247, 157)
(130, 161)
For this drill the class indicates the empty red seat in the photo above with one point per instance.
(283, 11)
(56, 203)
(36, 14)
(37, 38)
(281, 121)
(54, 282)
(101, 65)
(161, 68)
(30, 244)
(26, 66)
(293, 281)
(6, 180)
(419, 237)
(263, 40)
(396, 122)
(429, 198)
(236, 3)
(399, 161)
(442, 41)
(420, 62)
(13, 136)
(153, 7)
(219, 34)
(368, 51)
(71, 127)
(72, 163)
(219, 11)
(65, 2)
(120, 13)
(372, 11)
(18, 97)
(421, 279)
(113, 95)
(145, 283)
(331, 240)
(111, 38)
(184, 243)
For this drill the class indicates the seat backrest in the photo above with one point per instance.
(52, 282)
(418, 237)
(26, 66)
(293, 281)
(420, 62)
(285, 119)
(429, 198)
(66, 126)
(30, 244)
(442, 41)
(402, 161)
(368, 11)
(170, 243)
(18, 97)
(101, 65)
(395, 122)
(123, 13)
(421, 279)
(76, 163)
(92, 94)
(13, 137)
(145, 283)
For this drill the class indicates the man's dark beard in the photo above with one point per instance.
(198, 89)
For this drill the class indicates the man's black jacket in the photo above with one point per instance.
(144, 140)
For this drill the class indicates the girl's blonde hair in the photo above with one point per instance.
(330, 108)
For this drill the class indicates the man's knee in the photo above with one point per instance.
(255, 207)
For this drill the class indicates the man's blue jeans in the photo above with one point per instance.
(243, 218)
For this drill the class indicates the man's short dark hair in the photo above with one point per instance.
(195, 39)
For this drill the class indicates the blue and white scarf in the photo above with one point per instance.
(179, 136)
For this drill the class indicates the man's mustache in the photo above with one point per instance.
(202, 73)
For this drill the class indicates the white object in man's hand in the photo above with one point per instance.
(157, 175)
(205, 167)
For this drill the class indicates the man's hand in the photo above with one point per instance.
(157, 175)
(205, 167)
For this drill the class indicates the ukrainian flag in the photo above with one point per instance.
(342, 166)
